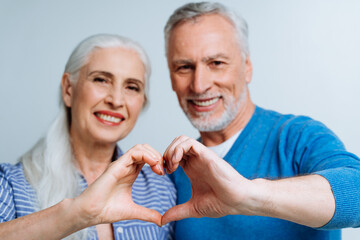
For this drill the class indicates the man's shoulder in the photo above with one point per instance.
(285, 119)
(291, 126)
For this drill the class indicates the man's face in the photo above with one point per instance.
(208, 72)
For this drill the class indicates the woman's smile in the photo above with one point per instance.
(109, 118)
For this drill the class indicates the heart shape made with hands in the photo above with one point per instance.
(217, 188)
(212, 180)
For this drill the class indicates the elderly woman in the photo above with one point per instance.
(46, 194)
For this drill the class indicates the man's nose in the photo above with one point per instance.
(201, 81)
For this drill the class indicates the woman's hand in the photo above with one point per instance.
(109, 198)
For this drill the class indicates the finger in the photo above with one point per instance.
(153, 162)
(134, 155)
(177, 213)
(173, 150)
(160, 165)
(140, 155)
(166, 155)
(172, 145)
(156, 153)
(180, 150)
(146, 148)
(146, 214)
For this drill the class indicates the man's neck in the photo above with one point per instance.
(241, 120)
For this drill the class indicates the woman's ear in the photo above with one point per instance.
(66, 89)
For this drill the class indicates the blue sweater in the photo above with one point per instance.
(278, 146)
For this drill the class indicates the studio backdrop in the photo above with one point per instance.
(305, 56)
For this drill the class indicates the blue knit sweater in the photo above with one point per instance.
(278, 146)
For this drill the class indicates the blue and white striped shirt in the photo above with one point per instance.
(18, 198)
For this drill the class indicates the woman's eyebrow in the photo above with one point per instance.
(135, 80)
(107, 74)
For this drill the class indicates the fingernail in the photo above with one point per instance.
(162, 171)
(159, 169)
(170, 164)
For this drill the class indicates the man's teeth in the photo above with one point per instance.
(108, 118)
(206, 103)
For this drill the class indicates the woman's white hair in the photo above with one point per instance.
(49, 165)
(191, 11)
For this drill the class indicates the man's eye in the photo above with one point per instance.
(184, 68)
(216, 63)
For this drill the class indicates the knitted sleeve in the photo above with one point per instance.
(317, 150)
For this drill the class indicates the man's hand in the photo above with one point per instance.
(109, 198)
(215, 184)
(219, 190)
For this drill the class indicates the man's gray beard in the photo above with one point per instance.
(202, 120)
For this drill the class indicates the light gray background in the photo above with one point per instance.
(305, 56)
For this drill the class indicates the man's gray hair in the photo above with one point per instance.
(191, 11)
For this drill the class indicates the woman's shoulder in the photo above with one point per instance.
(16, 195)
(11, 170)
(13, 174)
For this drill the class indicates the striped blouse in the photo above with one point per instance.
(18, 198)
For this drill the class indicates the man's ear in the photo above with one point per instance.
(248, 70)
(66, 89)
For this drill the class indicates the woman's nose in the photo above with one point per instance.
(115, 98)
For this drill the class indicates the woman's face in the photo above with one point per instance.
(108, 97)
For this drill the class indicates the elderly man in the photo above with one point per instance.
(284, 176)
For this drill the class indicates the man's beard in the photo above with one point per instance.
(202, 120)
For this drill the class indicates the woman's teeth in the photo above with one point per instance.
(108, 118)
(206, 103)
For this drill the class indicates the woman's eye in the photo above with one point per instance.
(99, 79)
(134, 88)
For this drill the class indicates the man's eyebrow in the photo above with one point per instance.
(182, 62)
(215, 56)
(204, 59)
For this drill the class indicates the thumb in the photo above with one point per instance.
(146, 214)
(176, 213)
